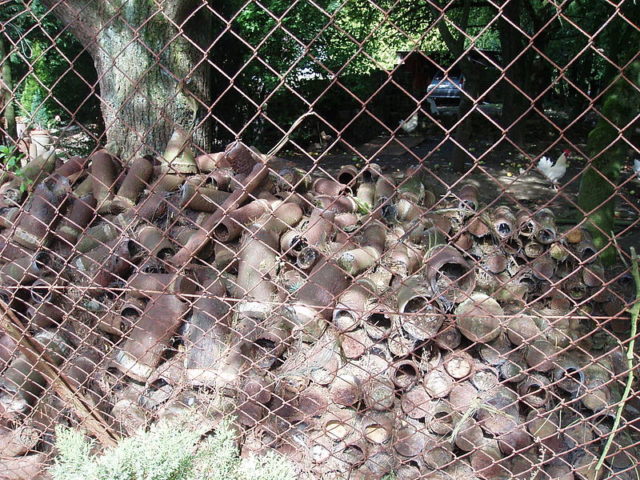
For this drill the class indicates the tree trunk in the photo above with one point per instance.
(152, 68)
(598, 185)
(514, 104)
(7, 84)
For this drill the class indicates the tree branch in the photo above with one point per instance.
(82, 17)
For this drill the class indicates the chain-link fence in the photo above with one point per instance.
(422, 268)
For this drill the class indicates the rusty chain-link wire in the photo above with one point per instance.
(388, 285)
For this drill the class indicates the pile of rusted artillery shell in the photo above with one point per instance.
(356, 323)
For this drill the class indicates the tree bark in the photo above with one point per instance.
(514, 104)
(151, 61)
(598, 184)
(7, 86)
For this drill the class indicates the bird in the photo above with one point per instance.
(410, 124)
(636, 167)
(554, 171)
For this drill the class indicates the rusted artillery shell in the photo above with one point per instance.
(404, 374)
(28, 467)
(533, 390)
(533, 249)
(256, 272)
(441, 418)
(523, 329)
(155, 242)
(419, 316)
(469, 436)
(366, 194)
(597, 394)
(319, 229)
(450, 276)
(316, 298)
(410, 439)
(377, 427)
(468, 196)
(267, 342)
(325, 186)
(337, 205)
(106, 264)
(207, 335)
(511, 370)
(543, 425)
(462, 395)
(478, 318)
(104, 173)
(347, 174)
(503, 222)
(352, 304)
(438, 383)
(201, 238)
(458, 364)
(34, 225)
(150, 208)
(233, 223)
(8, 216)
(584, 466)
(486, 462)
(546, 233)
(437, 454)
(377, 322)
(448, 338)
(134, 182)
(346, 389)
(8, 349)
(178, 156)
(149, 338)
(18, 441)
(81, 213)
(568, 374)
(525, 224)
(484, 378)
(378, 393)
(153, 284)
(379, 463)
(96, 236)
(542, 355)
(22, 386)
(416, 402)
(209, 161)
(292, 242)
(202, 198)
(338, 423)
(371, 247)
(401, 344)
(22, 271)
(355, 343)
(240, 158)
(118, 321)
(73, 168)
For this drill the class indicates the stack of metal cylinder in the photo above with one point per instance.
(355, 322)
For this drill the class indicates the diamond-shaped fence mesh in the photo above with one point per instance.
(375, 239)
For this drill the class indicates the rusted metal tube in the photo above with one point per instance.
(419, 315)
(143, 350)
(81, 213)
(134, 183)
(104, 173)
(201, 238)
(451, 277)
(352, 305)
(479, 318)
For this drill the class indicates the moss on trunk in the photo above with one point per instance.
(607, 148)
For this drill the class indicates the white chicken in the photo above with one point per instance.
(554, 171)
(636, 167)
(410, 124)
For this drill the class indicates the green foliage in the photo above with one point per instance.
(10, 158)
(165, 452)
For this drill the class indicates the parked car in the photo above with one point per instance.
(446, 89)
